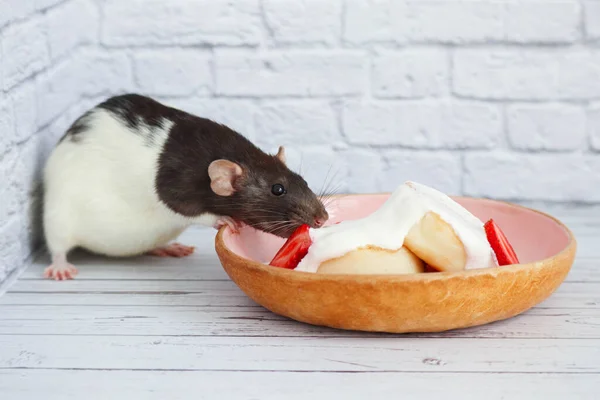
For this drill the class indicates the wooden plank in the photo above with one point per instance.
(585, 270)
(198, 266)
(207, 267)
(240, 321)
(204, 264)
(300, 354)
(138, 269)
(588, 297)
(18, 384)
(587, 246)
(203, 299)
(206, 293)
(175, 286)
(127, 286)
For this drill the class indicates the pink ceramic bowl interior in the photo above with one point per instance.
(534, 235)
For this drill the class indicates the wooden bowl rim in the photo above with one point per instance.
(571, 247)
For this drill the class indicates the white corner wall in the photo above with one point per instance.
(483, 98)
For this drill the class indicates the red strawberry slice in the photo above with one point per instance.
(504, 252)
(294, 249)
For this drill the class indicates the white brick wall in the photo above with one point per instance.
(173, 72)
(181, 22)
(303, 22)
(482, 97)
(592, 19)
(552, 127)
(528, 74)
(412, 73)
(293, 73)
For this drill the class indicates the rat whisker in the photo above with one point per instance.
(274, 228)
(287, 222)
(272, 223)
(331, 198)
(266, 211)
(278, 230)
(332, 192)
(334, 196)
(266, 217)
(246, 205)
(323, 185)
(277, 221)
(327, 199)
(331, 201)
(331, 189)
(332, 186)
(331, 181)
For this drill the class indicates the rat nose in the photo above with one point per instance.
(319, 222)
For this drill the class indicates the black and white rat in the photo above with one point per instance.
(132, 174)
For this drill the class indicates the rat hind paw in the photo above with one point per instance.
(172, 250)
(60, 271)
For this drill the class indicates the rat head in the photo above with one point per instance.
(267, 196)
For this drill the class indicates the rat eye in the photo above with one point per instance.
(278, 189)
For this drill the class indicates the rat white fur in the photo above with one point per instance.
(112, 174)
(132, 174)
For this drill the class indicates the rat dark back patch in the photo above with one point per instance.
(135, 109)
(78, 128)
(142, 115)
(139, 112)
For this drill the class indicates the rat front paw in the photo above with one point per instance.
(230, 222)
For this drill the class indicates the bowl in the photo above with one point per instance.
(429, 302)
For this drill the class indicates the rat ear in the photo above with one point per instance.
(281, 154)
(223, 174)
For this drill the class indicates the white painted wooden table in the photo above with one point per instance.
(151, 328)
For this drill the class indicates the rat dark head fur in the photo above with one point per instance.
(206, 167)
